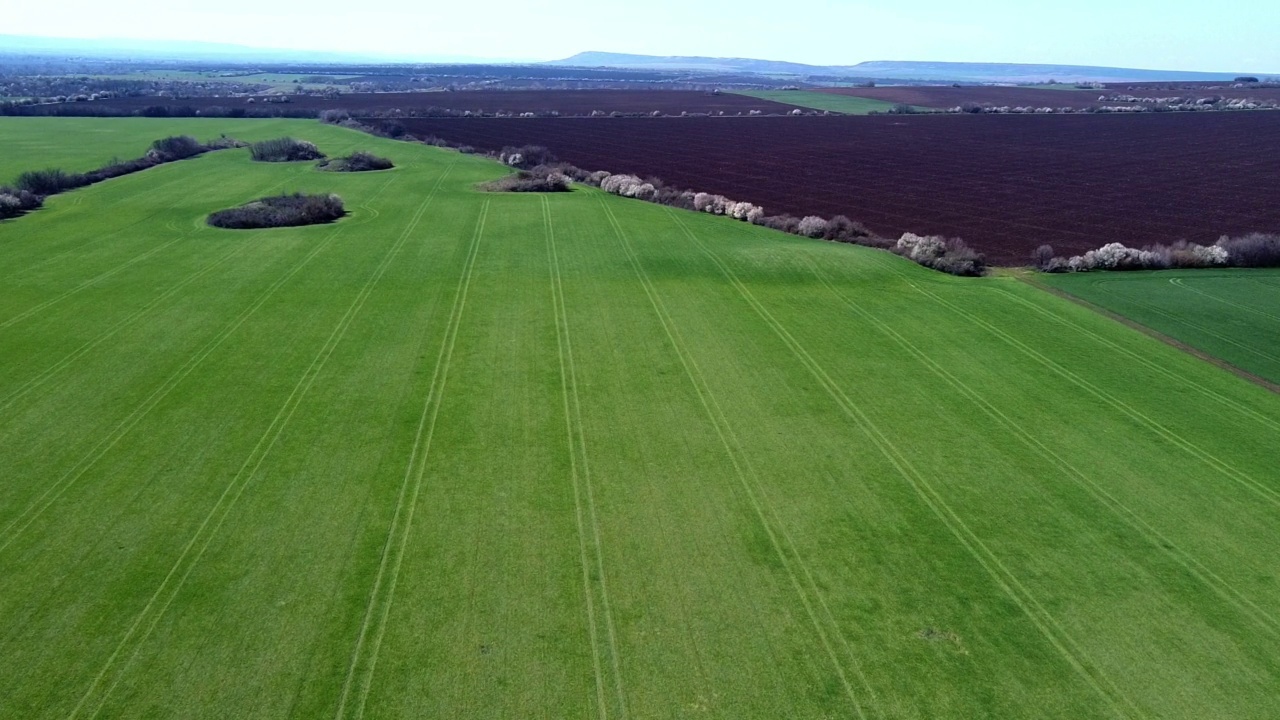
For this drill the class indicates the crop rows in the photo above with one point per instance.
(467, 454)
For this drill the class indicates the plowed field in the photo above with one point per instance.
(1006, 184)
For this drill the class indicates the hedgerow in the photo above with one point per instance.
(33, 186)
(1252, 250)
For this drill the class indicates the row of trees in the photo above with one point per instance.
(1252, 250)
(1133, 105)
(31, 188)
(538, 164)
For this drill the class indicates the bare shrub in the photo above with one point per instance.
(1042, 256)
(946, 255)
(1252, 250)
(176, 147)
(525, 181)
(280, 211)
(334, 117)
(357, 162)
(526, 156)
(17, 202)
(842, 229)
(285, 149)
(50, 182)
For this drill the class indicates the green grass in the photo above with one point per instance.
(1231, 314)
(822, 101)
(81, 144)
(466, 455)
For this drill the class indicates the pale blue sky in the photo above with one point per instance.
(1223, 35)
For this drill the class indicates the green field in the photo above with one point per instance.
(81, 144)
(1230, 314)
(821, 101)
(512, 456)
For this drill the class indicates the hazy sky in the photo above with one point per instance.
(1223, 35)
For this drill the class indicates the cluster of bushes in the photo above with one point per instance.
(357, 162)
(1253, 250)
(949, 255)
(15, 202)
(281, 211)
(537, 180)
(285, 149)
(33, 186)
(1138, 105)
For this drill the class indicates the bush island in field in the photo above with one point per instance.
(530, 181)
(285, 150)
(281, 211)
(357, 162)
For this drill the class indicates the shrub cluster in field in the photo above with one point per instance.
(285, 149)
(33, 186)
(357, 162)
(1253, 250)
(530, 181)
(281, 211)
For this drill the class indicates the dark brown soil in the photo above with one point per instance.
(1004, 183)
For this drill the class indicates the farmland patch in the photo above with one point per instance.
(1005, 184)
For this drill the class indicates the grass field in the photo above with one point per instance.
(1231, 314)
(466, 455)
(821, 101)
(81, 144)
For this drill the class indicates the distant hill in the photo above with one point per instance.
(680, 62)
(886, 70)
(1020, 72)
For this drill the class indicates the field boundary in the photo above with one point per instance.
(1178, 283)
(1101, 285)
(1244, 479)
(1123, 512)
(1153, 333)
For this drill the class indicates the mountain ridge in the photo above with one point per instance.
(894, 69)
